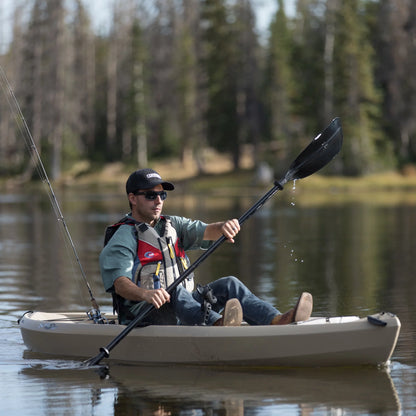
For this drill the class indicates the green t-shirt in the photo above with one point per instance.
(117, 257)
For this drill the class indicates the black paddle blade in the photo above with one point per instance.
(319, 153)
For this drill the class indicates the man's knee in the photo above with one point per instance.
(233, 281)
(231, 286)
(230, 279)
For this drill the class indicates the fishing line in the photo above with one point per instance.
(94, 313)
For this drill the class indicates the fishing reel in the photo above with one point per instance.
(208, 300)
(95, 315)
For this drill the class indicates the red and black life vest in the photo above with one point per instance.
(160, 260)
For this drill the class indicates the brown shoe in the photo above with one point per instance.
(232, 315)
(301, 312)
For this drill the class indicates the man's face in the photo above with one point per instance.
(145, 210)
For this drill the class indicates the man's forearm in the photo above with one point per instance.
(229, 229)
(128, 290)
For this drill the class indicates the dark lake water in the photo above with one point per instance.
(355, 254)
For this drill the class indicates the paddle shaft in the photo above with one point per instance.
(105, 351)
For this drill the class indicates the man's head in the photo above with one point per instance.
(146, 179)
(146, 191)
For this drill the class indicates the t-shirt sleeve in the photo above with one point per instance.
(190, 233)
(117, 257)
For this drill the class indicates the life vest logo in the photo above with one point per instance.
(149, 254)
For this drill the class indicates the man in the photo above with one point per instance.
(145, 252)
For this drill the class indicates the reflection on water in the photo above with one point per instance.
(174, 390)
(356, 257)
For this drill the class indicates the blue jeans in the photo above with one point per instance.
(185, 307)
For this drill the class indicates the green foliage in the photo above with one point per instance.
(278, 80)
(356, 97)
(308, 66)
(218, 62)
(171, 79)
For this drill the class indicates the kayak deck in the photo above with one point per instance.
(336, 341)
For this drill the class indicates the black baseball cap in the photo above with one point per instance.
(146, 179)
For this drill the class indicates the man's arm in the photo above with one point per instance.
(229, 229)
(130, 291)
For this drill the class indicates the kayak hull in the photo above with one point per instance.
(337, 341)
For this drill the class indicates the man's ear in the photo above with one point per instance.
(131, 198)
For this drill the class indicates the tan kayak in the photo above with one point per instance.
(336, 341)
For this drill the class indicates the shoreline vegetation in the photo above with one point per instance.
(219, 177)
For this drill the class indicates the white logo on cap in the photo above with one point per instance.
(153, 175)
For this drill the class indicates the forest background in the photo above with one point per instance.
(182, 79)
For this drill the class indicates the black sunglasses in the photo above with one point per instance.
(152, 195)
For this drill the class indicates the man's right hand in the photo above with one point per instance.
(157, 297)
(128, 290)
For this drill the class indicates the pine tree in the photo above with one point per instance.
(218, 62)
(248, 73)
(395, 32)
(278, 80)
(308, 62)
(47, 51)
(138, 107)
(357, 100)
(82, 95)
(186, 80)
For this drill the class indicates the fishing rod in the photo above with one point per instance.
(93, 313)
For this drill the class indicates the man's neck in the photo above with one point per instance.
(151, 223)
